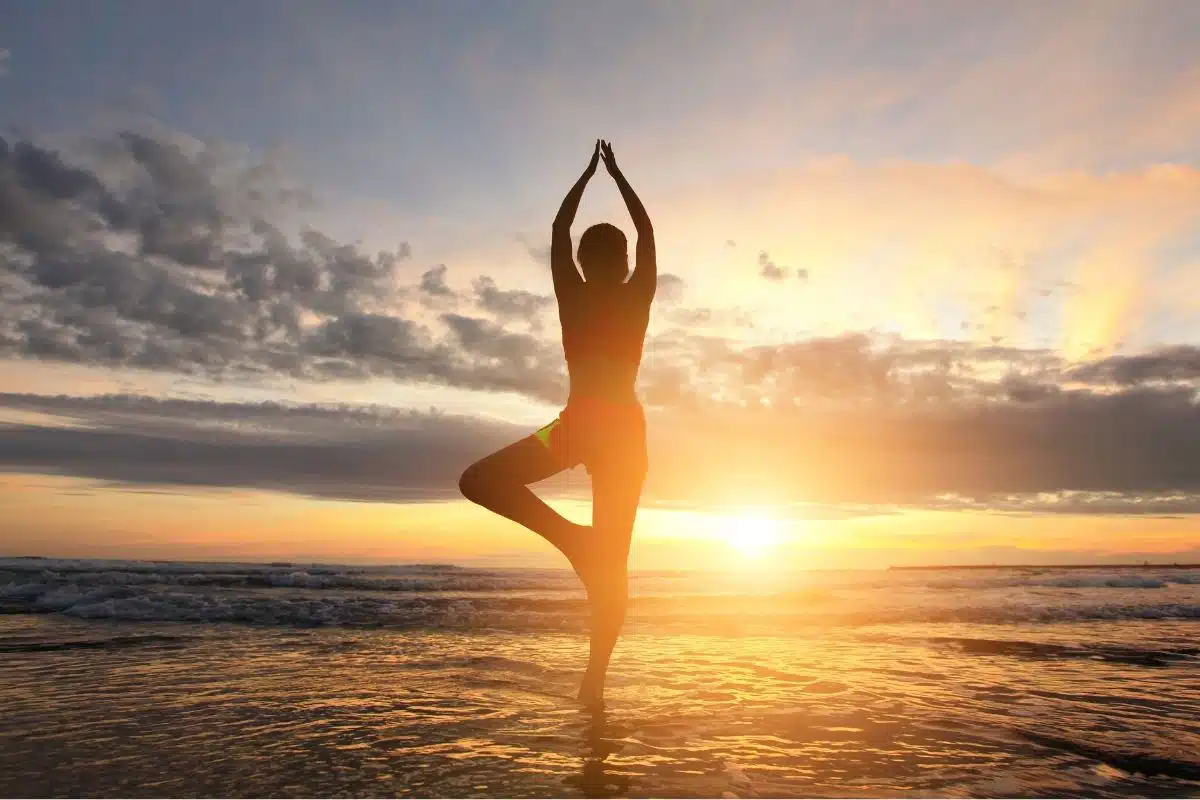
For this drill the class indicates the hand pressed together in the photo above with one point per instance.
(610, 161)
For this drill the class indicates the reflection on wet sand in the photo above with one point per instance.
(168, 710)
(598, 778)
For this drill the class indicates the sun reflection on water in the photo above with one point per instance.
(865, 710)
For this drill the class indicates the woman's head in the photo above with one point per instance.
(604, 254)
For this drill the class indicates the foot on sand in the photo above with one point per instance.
(602, 569)
(591, 691)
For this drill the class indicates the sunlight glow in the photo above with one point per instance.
(754, 536)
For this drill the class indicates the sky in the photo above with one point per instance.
(273, 273)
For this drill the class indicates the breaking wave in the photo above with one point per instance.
(446, 596)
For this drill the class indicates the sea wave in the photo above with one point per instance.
(449, 577)
(405, 578)
(1088, 580)
(728, 614)
(436, 595)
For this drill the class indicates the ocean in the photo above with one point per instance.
(171, 679)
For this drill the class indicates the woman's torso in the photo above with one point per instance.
(603, 334)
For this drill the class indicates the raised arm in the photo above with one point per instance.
(562, 263)
(645, 270)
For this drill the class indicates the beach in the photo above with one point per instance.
(171, 679)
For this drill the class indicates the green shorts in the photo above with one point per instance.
(598, 433)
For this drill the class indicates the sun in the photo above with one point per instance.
(754, 536)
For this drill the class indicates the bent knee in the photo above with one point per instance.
(474, 483)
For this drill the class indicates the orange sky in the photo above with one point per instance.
(72, 519)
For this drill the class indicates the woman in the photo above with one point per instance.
(603, 427)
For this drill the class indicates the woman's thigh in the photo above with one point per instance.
(525, 461)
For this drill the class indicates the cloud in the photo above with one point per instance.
(510, 304)
(718, 319)
(1144, 503)
(160, 253)
(911, 426)
(887, 420)
(1090, 259)
(357, 453)
(853, 368)
(539, 253)
(433, 282)
(174, 255)
(491, 358)
(1066, 452)
(1180, 363)
(670, 288)
(163, 253)
(769, 269)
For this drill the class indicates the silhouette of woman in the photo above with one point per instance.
(603, 426)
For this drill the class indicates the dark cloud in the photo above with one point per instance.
(177, 265)
(875, 419)
(359, 453)
(509, 304)
(170, 263)
(1072, 453)
(487, 356)
(433, 282)
(849, 369)
(1066, 452)
(1180, 363)
(157, 253)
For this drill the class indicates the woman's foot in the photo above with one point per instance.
(591, 691)
(606, 581)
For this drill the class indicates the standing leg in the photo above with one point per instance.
(616, 492)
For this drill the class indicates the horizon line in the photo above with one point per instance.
(436, 564)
